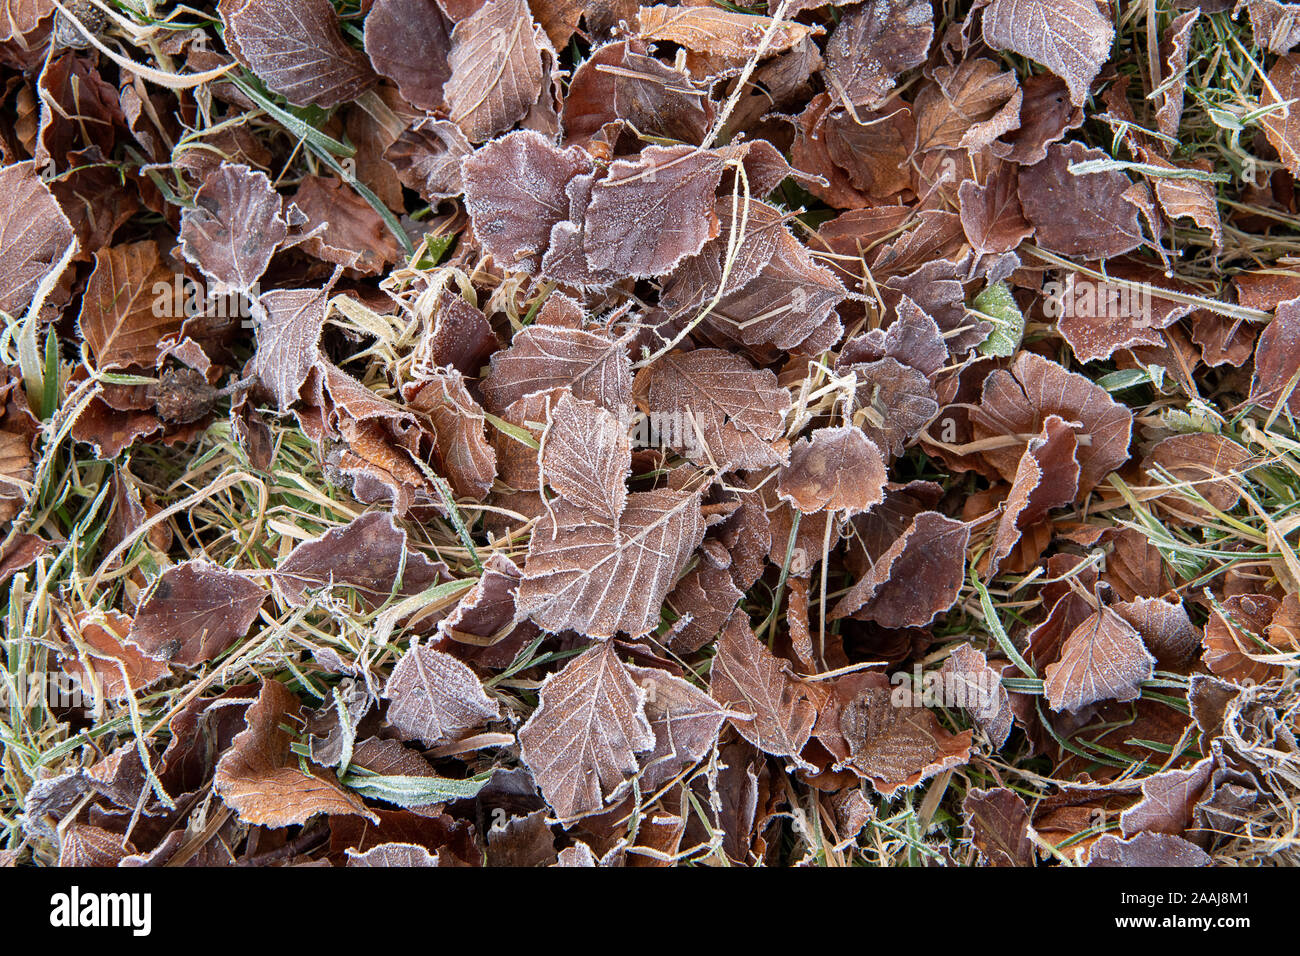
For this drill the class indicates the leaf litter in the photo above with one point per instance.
(499, 433)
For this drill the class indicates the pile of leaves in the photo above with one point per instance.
(534, 432)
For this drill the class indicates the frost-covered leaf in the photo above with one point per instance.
(919, 576)
(649, 214)
(408, 42)
(749, 680)
(234, 227)
(260, 778)
(836, 469)
(515, 191)
(1079, 215)
(717, 406)
(872, 44)
(366, 555)
(582, 741)
(496, 68)
(592, 365)
(436, 699)
(34, 233)
(196, 611)
(297, 49)
(1102, 659)
(288, 335)
(1070, 37)
(128, 307)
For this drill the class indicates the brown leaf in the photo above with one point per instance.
(297, 49)
(1168, 799)
(716, 407)
(747, 678)
(1046, 478)
(896, 747)
(405, 855)
(107, 665)
(893, 402)
(496, 68)
(289, 324)
(464, 455)
(1102, 659)
(1166, 629)
(427, 156)
(1046, 114)
(1069, 37)
(1079, 215)
(872, 44)
(685, 721)
(351, 233)
(123, 315)
(435, 698)
(1210, 464)
(1277, 359)
(581, 742)
(998, 823)
(366, 555)
(1017, 403)
(34, 235)
(720, 40)
(707, 594)
(1146, 849)
(1174, 52)
(196, 611)
(1235, 630)
(919, 576)
(991, 213)
(542, 357)
(604, 560)
(408, 42)
(649, 214)
(966, 106)
(234, 227)
(515, 191)
(1282, 126)
(259, 776)
(586, 457)
(967, 671)
(837, 469)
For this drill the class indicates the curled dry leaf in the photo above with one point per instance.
(1018, 402)
(685, 721)
(260, 778)
(836, 469)
(297, 49)
(435, 699)
(104, 663)
(721, 40)
(463, 454)
(195, 612)
(1282, 126)
(427, 156)
(581, 743)
(1235, 631)
(1046, 478)
(1102, 659)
